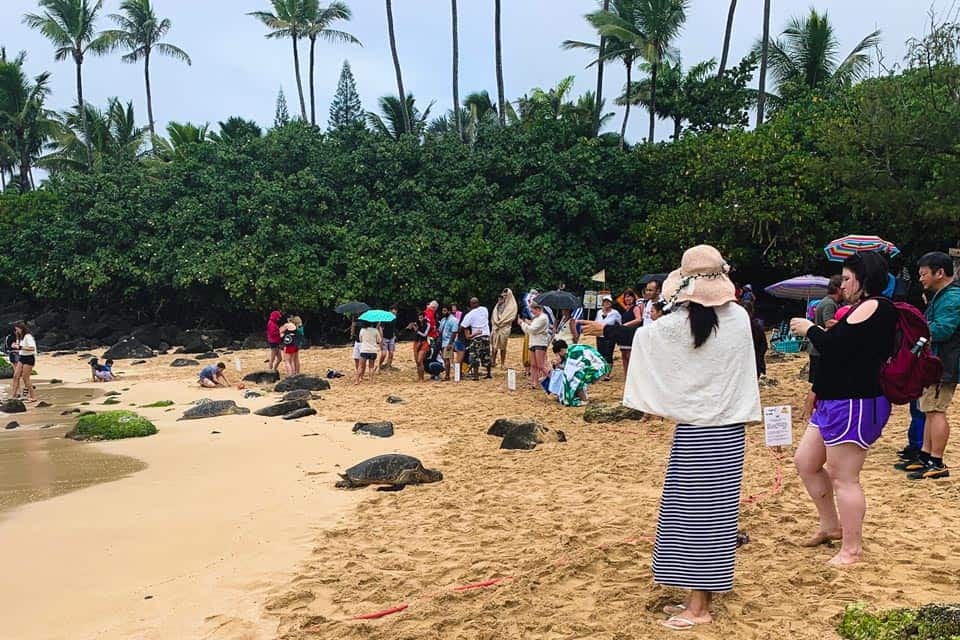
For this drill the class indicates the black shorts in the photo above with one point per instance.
(13, 357)
(538, 348)
(368, 356)
(814, 367)
(275, 346)
(29, 360)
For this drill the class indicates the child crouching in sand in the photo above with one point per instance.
(214, 375)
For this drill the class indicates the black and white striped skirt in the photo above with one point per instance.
(697, 528)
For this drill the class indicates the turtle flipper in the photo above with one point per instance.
(345, 483)
(391, 487)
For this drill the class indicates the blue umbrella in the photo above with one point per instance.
(377, 315)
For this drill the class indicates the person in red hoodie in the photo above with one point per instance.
(273, 339)
(431, 314)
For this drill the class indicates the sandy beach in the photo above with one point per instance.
(240, 534)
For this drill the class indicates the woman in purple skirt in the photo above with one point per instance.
(851, 410)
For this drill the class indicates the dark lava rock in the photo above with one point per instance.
(313, 383)
(210, 355)
(12, 425)
(138, 362)
(255, 341)
(298, 394)
(56, 381)
(148, 334)
(196, 342)
(184, 362)
(13, 405)
(610, 413)
(112, 393)
(42, 404)
(523, 434)
(262, 377)
(128, 348)
(300, 413)
(394, 400)
(85, 356)
(249, 393)
(213, 408)
(57, 354)
(379, 429)
(282, 408)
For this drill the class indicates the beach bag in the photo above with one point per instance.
(905, 375)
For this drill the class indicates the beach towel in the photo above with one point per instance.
(501, 318)
(584, 365)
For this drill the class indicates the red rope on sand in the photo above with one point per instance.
(381, 614)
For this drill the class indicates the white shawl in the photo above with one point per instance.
(714, 385)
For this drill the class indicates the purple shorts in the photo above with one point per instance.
(859, 421)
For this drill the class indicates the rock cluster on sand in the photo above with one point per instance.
(128, 348)
(523, 434)
(213, 408)
(610, 413)
(13, 405)
(311, 383)
(111, 425)
(184, 362)
(379, 429)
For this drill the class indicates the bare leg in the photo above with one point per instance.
(939, 430)
(446, 366)
(698, 607)
(808, 405)
(360, 371)
(25, 372)
(15, 385)
(810, 459)
(845, 462)
(625, 356)
(372, 364)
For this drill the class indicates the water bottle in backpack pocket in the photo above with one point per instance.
(912, 367)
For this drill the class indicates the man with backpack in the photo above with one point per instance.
(943, 316)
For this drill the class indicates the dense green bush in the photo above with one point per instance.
(930, 622)
(221, 232)
(111, 425)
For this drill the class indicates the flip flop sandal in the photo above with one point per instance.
(674, 609)
(678, 623)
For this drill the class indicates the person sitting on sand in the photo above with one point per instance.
(214, 375)
(695, 367)
(102, 372)
(851, 409)
(574, 367)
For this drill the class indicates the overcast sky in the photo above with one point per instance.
(236, 71)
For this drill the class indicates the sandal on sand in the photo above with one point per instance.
(674, 609)
(678, 623)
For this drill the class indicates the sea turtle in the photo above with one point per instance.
(212, 408)
(393, 469)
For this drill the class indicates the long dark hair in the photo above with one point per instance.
(703, 322)
(871, 270)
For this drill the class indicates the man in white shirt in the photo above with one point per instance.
(476, 327)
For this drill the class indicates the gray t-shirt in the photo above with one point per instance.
(826, 309)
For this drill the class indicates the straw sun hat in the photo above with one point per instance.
(701, 278)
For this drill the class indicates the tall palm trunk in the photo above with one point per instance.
(599, 98)
(457, 114)
(626, 112)
(677, 125)
(296, 68)
(764, 49)
(653, 100)
(396, 65)
(726, 38)
(24, 162)
(501, 103)
(78, 58)
(313, 104)
(146, 77)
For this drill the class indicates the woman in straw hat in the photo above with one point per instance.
(695, 367)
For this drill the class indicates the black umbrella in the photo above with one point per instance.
(352, 308)
(558, 299)
(651, 277)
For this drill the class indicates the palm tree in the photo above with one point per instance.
(806, 55)
(598, 107)
(113, 134)
(393, 123)
(319, 20)
(624, 42)
(236, 129)
(405, 117)
(289, 20)
(140, 31)
(726, 38)
(673, 85)
(457, 112)
(69, 25)
(501, 101)
(764, 58)
(24, 125)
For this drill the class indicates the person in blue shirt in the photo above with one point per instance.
(449, 326)
(214, 375)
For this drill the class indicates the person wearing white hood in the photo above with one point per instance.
(501, 321)
(695, 367)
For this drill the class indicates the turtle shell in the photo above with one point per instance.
(383, 469)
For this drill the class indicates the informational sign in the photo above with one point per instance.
(456, 372)
(955, 254)
(600, 295)
(512, 379)
(589, 299)
(778, 426)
